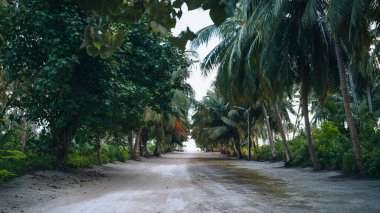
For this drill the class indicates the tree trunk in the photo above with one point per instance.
(140, 141)
(297, 124)
(62, 140)
(137, 143)
(305, 112)
(24, 133)
(235, 152)
(346, 102)
(24, 128)
(283, 136)
(269, 133)
(353, 91)
(145, 148)
(369, 99)
(255, 145)
(249, 136)
(98, 148)
(132, 150)
(155, 153)
(238, 148)
(144, 139)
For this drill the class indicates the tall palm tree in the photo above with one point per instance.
(238, 74)
(299, 50)
(352, 18)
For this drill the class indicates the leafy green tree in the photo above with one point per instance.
(163, 16)
(60, 86)
(43, 56)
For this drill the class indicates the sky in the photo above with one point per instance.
(196, 20)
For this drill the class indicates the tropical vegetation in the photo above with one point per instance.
(61, 106)
(274, 55)
(85, 82)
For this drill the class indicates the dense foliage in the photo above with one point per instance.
(276, 56)
(83, 82)
(64, 107)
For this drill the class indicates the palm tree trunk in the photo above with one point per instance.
(234, 150)
(353, 91)
(346, 102)
(283, 136)
(296, 126)
(237, 148)
(305, 112)
(255, 144)
(270, 135)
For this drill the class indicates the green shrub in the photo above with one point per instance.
(263, 153)
(349, 163)
(111, 154)
(280, 149)
(299, 151)
(122, 154)
(370, 143)
(40, 144)
(39, 161)
(151, 144)
(5, 175)
(329, 145)
(11, 160)
(371, 161)
(104, 151)
(79, 161)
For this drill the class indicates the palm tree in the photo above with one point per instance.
(214, 123)
(235, 81)
(351, 18)
(279, 120)
(297, 48)
(169, 128)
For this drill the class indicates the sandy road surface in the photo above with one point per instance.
(189, 182)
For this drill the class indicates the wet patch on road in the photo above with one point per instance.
(247, 178)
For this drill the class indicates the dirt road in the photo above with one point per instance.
(189, 182)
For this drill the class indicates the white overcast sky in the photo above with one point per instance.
(196, 20)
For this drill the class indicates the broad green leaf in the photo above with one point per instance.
(92, 51)
(97, 44)
(106, 52)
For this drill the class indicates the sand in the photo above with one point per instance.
(189, 182)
